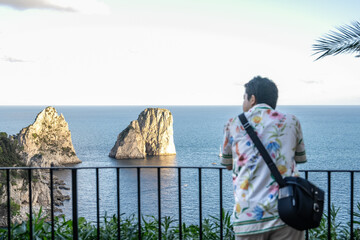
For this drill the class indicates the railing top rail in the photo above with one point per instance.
(109, 167)
(140, 166)
(330, 170)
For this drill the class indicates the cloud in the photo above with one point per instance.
(12, 60)
(34, 4)
(311, 82)
(82, 6)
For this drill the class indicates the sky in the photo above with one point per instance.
(173, 52)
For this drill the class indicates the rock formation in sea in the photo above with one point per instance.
(47, 141)
(150, 135)
(44, 143)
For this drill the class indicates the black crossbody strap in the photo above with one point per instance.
(264, 153)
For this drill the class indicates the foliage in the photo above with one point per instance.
(345, 231)
(128, 228)
(169, 229)
(9, 153)
(345, 40)
(10, 157)
(15, 208)
(321, 232)
(337, 229)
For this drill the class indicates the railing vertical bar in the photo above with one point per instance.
(139, 202)
(179, 189)
(30, 205)
(8, 203)
(74, 203)
(159, 201)
(52, 203)
(329, 206)
(200, 206)
(307, 231)
(221, 203)
(351, 205)
(97, 203)
(118, 201)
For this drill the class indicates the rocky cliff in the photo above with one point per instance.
(47, 141)
(20, 196)
(19, 184)
(151, 134)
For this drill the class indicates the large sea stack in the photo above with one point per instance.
(47, 141)
(44, 143)
(150, 135)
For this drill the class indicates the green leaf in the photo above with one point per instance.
(345, 40)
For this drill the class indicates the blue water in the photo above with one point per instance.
(331, 136)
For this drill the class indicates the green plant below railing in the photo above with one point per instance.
(128, 228)
(169, 228)
(338, 230)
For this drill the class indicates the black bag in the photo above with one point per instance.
(300, 203)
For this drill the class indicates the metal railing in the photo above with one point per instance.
(74, 197)
(328, 193)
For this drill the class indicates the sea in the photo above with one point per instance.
(331, 135)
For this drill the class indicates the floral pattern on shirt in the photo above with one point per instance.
(255, 189)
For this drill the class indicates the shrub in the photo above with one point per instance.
(9, 154)
(108, 228)
(149, 228)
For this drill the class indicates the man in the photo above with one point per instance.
(255, 213)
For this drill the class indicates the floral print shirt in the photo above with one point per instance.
(255, 190)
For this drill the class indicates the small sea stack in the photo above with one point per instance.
(150, 135)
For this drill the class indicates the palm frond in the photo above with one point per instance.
(345, 40)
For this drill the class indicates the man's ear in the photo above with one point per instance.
(252, 100)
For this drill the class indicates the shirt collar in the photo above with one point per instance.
(260, 106)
